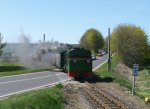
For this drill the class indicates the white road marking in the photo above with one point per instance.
(99, 65)
(26, 74)
(35, 88)
(29, 79)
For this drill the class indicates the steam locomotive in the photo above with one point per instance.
(76, 62)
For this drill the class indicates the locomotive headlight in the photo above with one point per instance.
(74, 61)
(88, 61)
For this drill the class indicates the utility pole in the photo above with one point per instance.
(109, 52)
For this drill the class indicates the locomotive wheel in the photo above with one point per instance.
(76, 78)
(64, 70)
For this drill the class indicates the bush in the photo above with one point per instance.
(130, 42)
(11, 68)
(146, 62)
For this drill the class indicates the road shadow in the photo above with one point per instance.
(96, 79)
(80, 79)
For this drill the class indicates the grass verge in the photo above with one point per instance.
(24, 71)
(143, 84)
(142, 88)
(117, 78)
(11, 68)
(49, 98)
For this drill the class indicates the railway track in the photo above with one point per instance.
(101, 99)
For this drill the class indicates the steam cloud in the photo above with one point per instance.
(37, 55)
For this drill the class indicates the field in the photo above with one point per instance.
(49, 98)
(8, 68)
(142, 85)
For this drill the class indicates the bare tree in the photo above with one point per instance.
(2, 45)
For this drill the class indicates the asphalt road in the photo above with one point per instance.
(97, 63)
(10, 85)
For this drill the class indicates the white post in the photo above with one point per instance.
(133, 85)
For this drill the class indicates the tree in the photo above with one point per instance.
(2, 45)
(105, 47)
(92, 40)
(130, 42)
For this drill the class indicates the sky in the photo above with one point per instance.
(67, 20)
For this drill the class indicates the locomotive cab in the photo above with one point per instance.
(78, 63)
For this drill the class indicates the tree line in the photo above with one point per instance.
(129, 42)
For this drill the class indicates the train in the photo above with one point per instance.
(76, 62)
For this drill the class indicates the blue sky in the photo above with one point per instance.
(67, 20)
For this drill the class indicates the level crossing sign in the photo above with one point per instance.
(135, 69)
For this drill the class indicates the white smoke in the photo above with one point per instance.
(37, 55)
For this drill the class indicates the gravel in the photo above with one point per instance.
(75, 98)
(123, 95)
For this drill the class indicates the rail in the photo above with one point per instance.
(102, 98)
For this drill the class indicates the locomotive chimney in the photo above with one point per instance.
(44, 38)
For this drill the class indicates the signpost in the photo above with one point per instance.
(134, 74)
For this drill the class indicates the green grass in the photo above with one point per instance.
(143, 94)
(8, 68)
(8, 63)
(143, 84)
(122, 81)
(49, 98)
(24, 71)
(103, 72)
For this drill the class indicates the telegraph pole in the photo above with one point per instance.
(109, 54)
